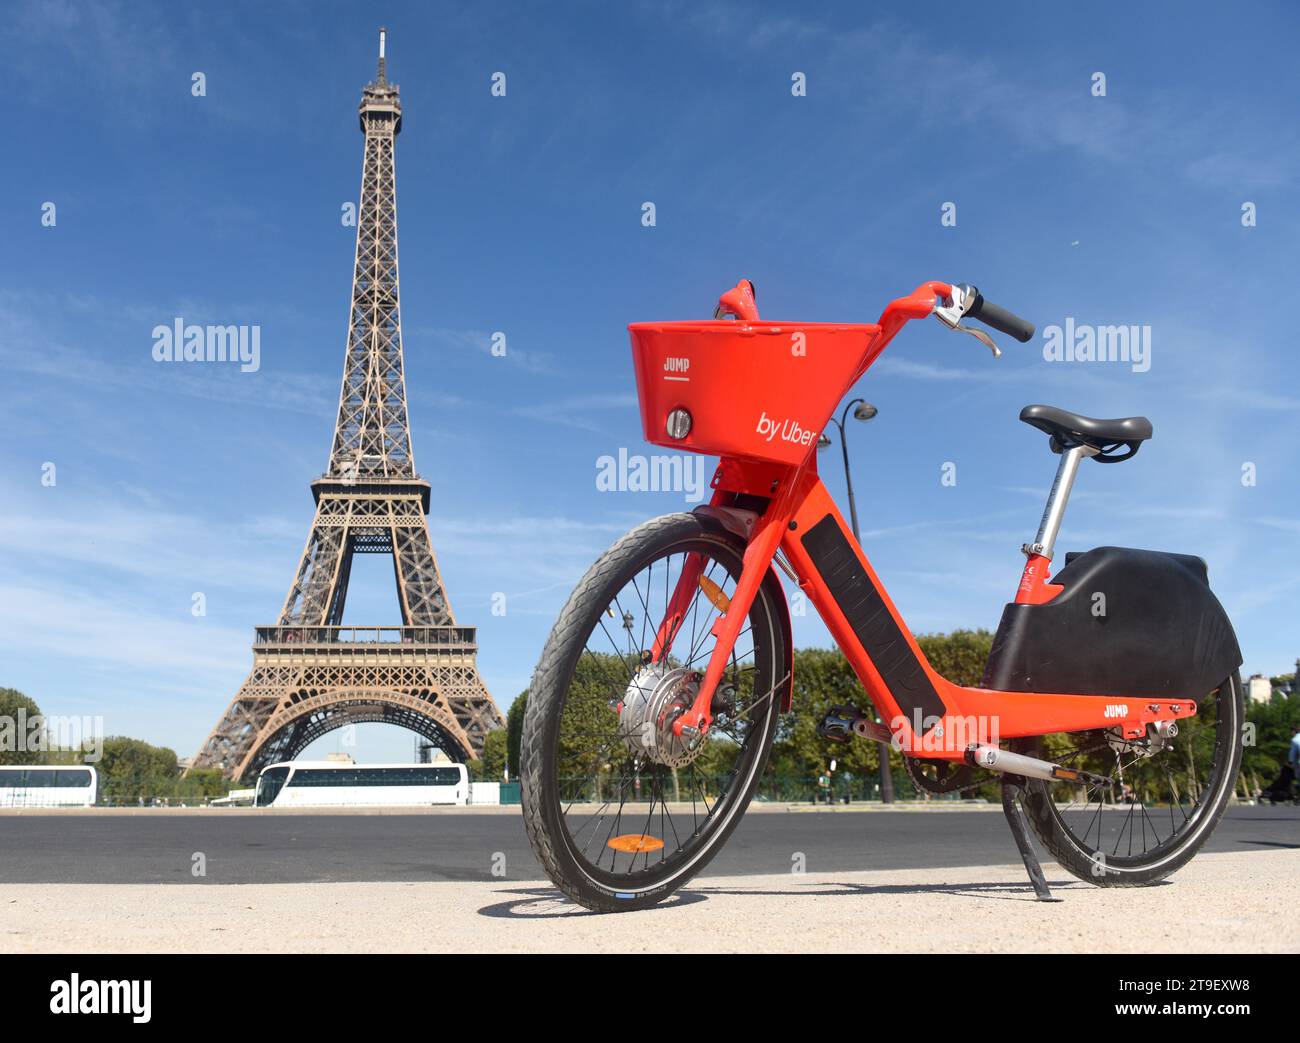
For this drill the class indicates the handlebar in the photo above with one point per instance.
(999, 318)
(948, 302)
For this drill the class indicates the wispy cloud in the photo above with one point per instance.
(1285, 524)
(955, 87)
(115, 535)
(528, 359)
(1249, 398)
(576, 411)
(526, 556)
(60, 623)
(126, 48)
(899, 366)
(28, 346)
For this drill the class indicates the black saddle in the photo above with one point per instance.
(1109, 437)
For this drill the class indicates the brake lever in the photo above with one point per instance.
(951, 314)
(983, 338)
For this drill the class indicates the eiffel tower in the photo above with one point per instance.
(310, 673)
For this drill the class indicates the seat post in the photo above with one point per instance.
(1045, 541)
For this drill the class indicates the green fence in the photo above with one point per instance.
(777, 789)
(137, 791)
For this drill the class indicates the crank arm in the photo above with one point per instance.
(848, 722)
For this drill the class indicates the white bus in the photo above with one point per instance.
(328, 784)
(52, 786)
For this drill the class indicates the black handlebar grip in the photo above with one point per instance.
(996, 317)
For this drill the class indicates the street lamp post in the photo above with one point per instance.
(864, 411)
(629, 622)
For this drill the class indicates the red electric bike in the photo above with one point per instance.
(1111, 708)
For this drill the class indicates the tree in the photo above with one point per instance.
(1272, 723)
(491, 766)
(131, 769)
(17, 712)
(515, 731)
(959, 656)
(204, 784)
(822, 679)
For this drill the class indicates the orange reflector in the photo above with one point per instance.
(635, 843)
(714, 593)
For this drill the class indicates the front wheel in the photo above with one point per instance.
(620, 811)
(1170, 795)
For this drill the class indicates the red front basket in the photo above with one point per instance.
(759, 390)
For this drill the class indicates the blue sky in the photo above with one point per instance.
(522, 214)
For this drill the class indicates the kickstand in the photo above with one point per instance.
(1011, 787)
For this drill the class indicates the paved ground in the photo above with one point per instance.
(463, 844)
(1225, 902)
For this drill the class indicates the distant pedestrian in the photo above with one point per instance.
(1280, 789)
(1293, 754)
(823, 789)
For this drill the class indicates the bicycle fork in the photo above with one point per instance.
(694, 722)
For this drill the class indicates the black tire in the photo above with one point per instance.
(546, 817)
(1090, 860)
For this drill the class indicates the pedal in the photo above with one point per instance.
(838, 725)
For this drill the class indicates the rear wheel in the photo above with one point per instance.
(620, 811)
(1170, 794)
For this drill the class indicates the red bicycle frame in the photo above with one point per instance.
(775, 463)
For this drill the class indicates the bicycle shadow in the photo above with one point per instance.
(549, 903)
(545, 903)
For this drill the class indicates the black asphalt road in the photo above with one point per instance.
(243, 849)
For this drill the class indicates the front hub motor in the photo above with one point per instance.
(656, 697)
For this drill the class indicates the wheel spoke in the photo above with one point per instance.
(618, 795)
(1168, 786)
